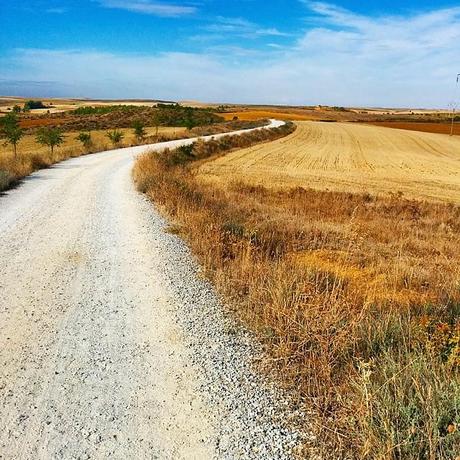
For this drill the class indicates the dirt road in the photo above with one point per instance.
(349, 157)
(110, 344)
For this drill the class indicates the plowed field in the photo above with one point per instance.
(440, 128)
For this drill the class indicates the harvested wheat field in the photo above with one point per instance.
(350, 157)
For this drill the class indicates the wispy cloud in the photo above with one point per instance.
(400, 34)
(150, 7)
(242, 28)
(56, 10)
(406, 57)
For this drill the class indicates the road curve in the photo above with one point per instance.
(97, 329)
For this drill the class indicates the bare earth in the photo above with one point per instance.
(95, 363)
(350, 157)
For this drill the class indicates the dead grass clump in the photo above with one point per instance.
(355, 296)
(5, 180)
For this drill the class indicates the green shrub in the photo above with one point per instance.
(116, 137)
(139, 130)
(85, 139)
(31, 105)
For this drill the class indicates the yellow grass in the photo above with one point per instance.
(29, 145)
(349, 157)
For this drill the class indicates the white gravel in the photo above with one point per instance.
(111, 346)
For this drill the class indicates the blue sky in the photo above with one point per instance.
(386, 53)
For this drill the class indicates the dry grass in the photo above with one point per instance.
(349, 157)
(356, 297)
(29, 145)
(12, 169)
(33, 156)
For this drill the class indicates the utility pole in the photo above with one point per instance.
(454, 106)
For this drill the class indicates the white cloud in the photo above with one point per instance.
(350, 60)
(408, 60)
(242, 28)
(149, 7)
(56, 10)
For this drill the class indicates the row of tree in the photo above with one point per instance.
(53, 137)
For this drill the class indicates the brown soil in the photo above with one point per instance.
(439, 128)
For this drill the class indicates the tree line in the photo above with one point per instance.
(53, 137)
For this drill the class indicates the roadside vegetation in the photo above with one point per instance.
(11, 131)
(356, 297)
(50, 137)
(115, 137)
(139, 131)
(86, 140)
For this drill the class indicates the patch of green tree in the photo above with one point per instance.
(32, 105)
(103, 110)
(188, 117)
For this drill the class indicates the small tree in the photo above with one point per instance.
(189, 118)
(11, 130)
(16, 109)
(157, 120)
(52, 137)
(115, 137)
(86, 140)
(139, 130)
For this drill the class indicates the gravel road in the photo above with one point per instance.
(111, 344)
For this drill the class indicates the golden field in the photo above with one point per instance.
(349, 157)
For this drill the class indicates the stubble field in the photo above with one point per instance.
(349, 157)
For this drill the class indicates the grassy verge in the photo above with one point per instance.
(356, 297)
(13, 169)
